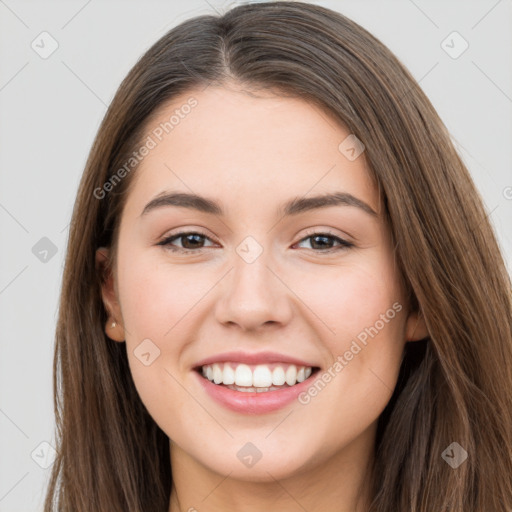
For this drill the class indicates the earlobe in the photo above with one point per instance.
(416, 328)
(113, 328)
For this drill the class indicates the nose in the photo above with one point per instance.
(253, 295)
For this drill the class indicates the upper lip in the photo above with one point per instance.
(253, 358)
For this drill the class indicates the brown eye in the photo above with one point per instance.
(323, 242)
(190, 241)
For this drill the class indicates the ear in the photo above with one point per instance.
(113, 328)
(415, 327)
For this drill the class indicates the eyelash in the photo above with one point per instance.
(344, 244)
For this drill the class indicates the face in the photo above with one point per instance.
(299, 300)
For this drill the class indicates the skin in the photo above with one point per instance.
(252, 153)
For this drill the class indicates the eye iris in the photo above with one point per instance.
(197, 237)
(323, 245)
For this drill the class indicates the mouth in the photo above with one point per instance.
(256, 378)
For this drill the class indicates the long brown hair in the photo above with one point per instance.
(455, 386)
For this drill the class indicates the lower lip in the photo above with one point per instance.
(254, 402)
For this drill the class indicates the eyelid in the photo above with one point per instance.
(182, 232)
(343, 241)
(326, 231)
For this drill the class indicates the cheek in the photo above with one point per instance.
(349, 298)
(157, 308)
(156, 297)
(364, 311)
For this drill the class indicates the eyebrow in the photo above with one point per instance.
(292, 207)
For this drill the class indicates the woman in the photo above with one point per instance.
(281, 284)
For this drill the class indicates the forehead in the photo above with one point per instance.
(227, 141)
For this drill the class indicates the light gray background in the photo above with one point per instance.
(51, 109)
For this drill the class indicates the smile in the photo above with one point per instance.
(253, 386)
(255, 378)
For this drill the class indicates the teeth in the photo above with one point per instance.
(253, 389)
(261, 377)
(258, 378)
(228, 376)
(217, 374)
(243, 375)
(278, 376)
(291, 375)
